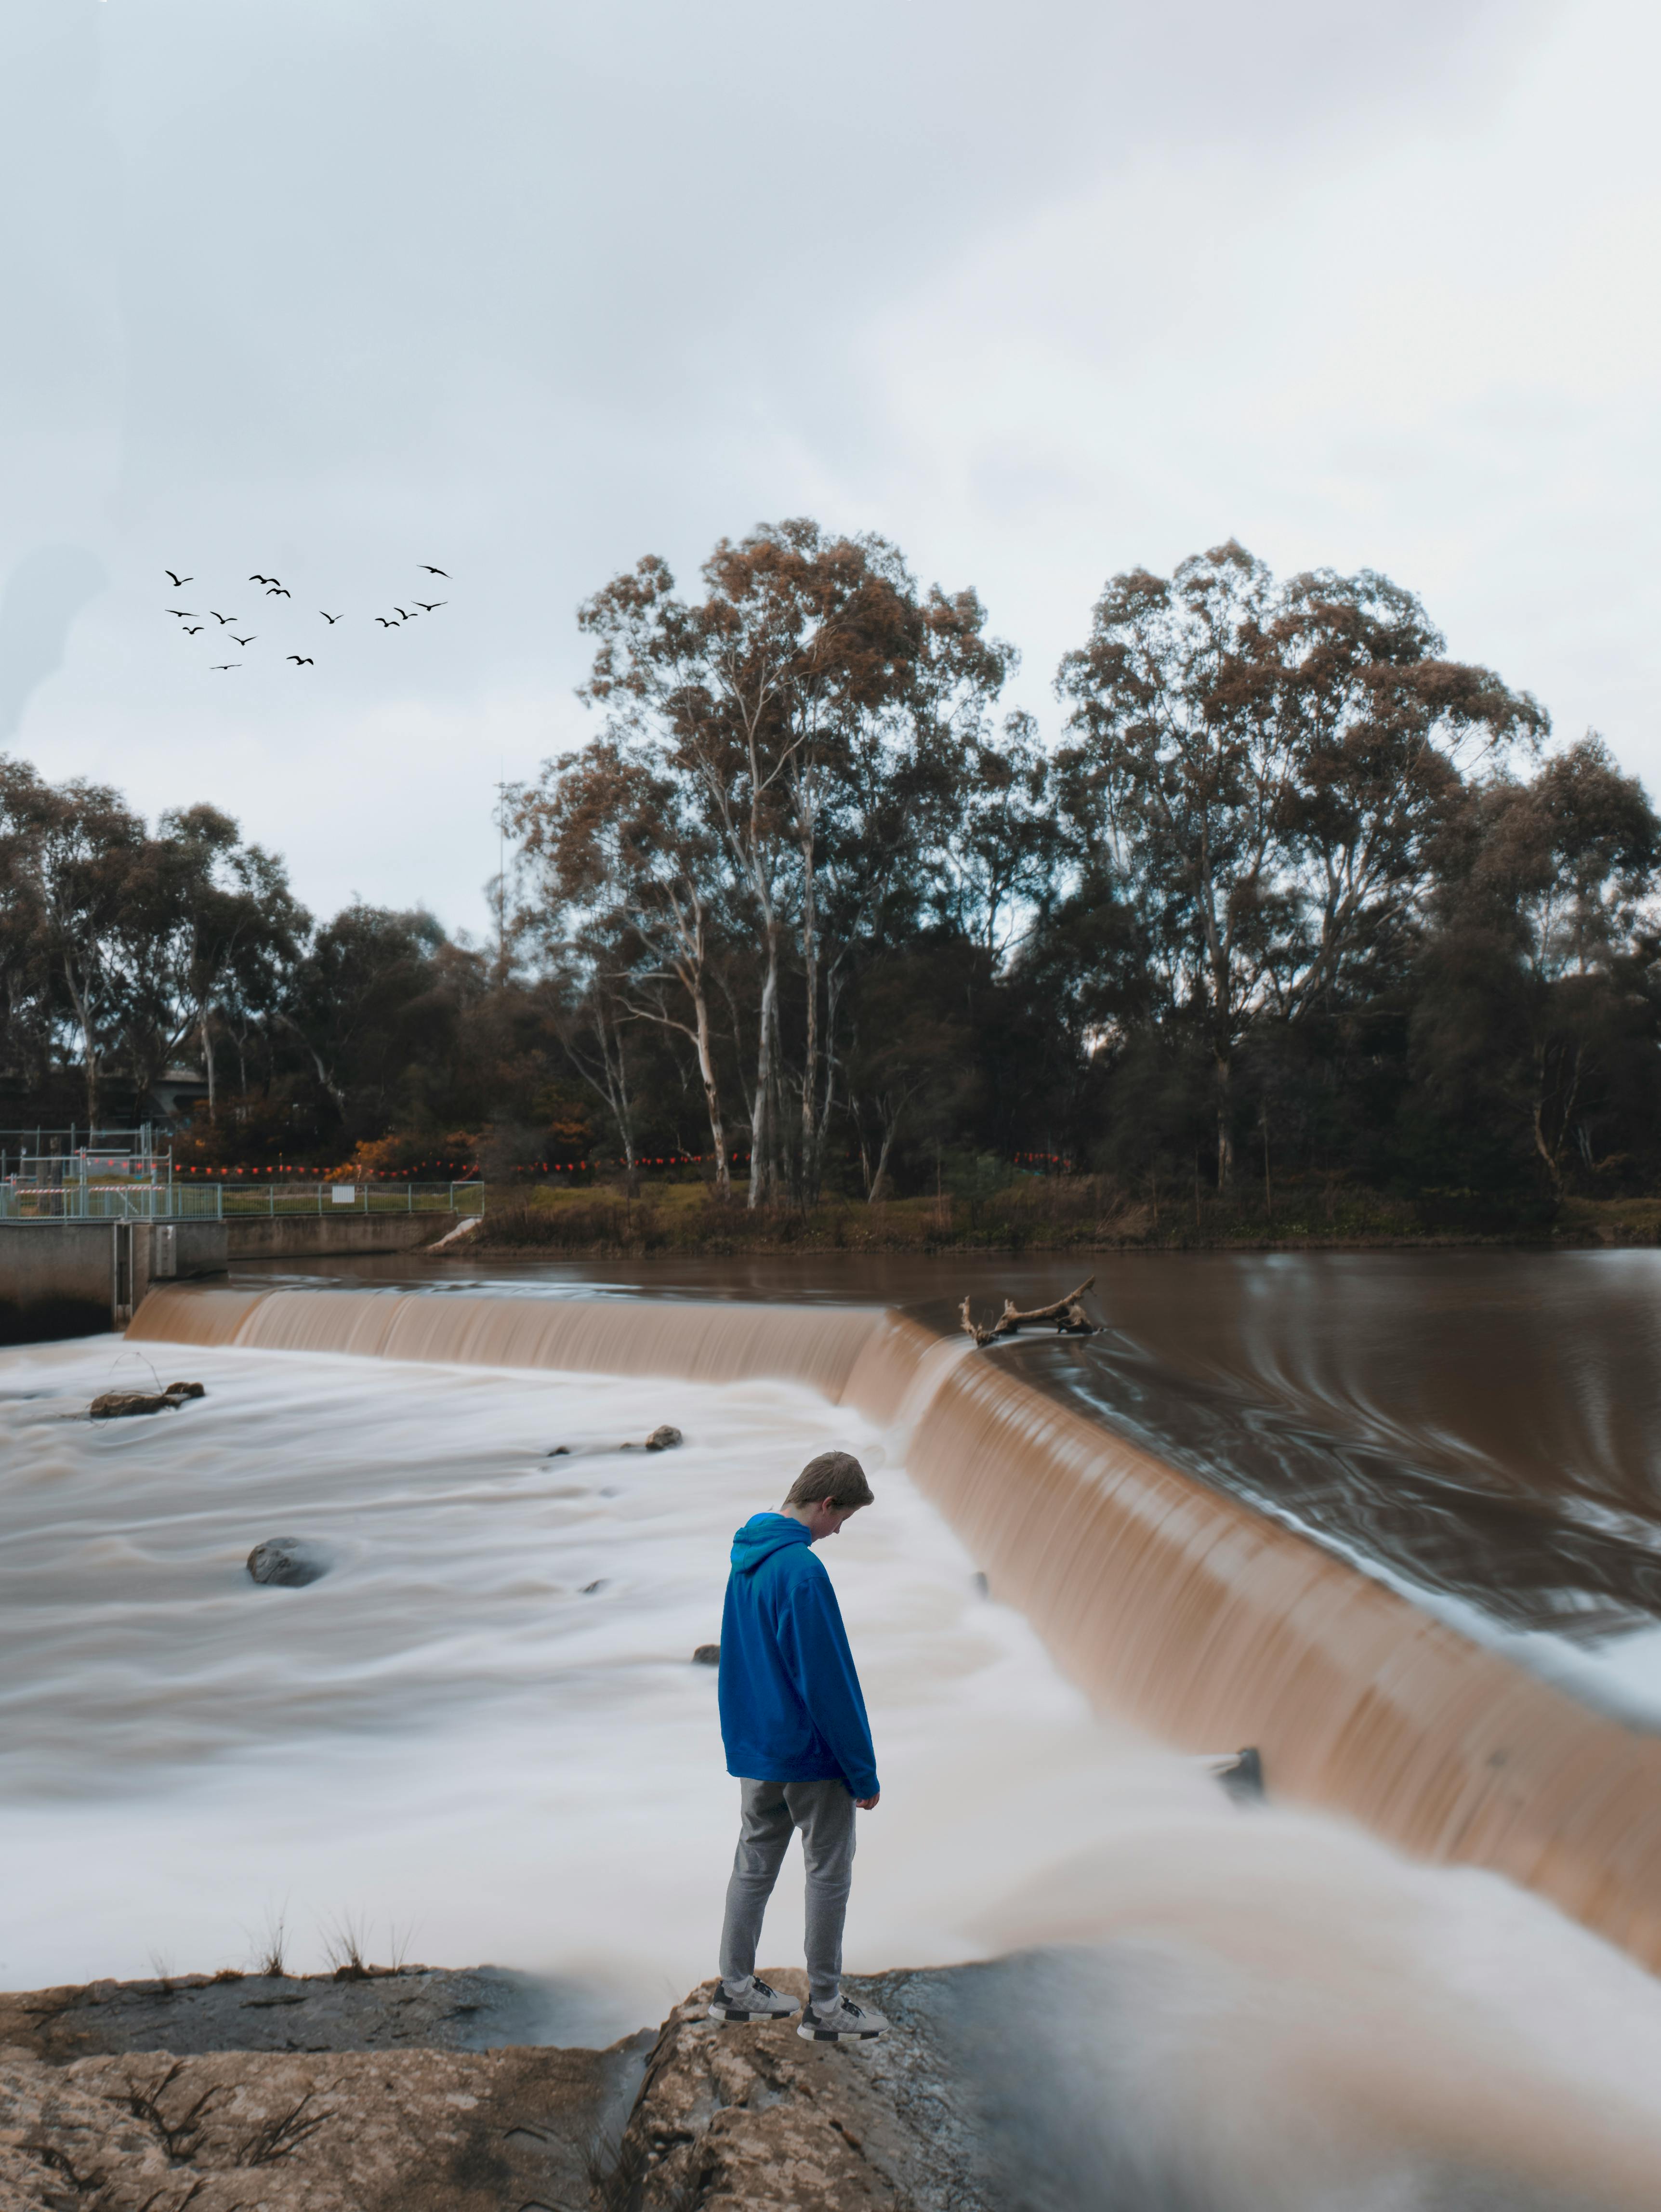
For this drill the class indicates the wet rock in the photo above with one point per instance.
(289, 1562)
(663, 1439)
(382, 2008)
(559, 1451)
(707, 1654)
(116, 1405)
(592, 1590)
(1243, 1775)
(755, 2116)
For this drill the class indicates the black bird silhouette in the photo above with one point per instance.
(331, 619)
(189, 613)
(219, 664)
(386, 622)
(245, 640)
(403, 613)
(304, 660)
(427, 605)
(277, 592)
(218, 617)
(177, 582)
(194, 630)
(262, 580)
(431, 571)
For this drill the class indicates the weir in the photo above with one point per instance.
(1168, 1602)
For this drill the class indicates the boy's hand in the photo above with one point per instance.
(868, 1804)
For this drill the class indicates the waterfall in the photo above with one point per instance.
(1169, 1602)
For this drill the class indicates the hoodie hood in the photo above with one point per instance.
(762, 1534)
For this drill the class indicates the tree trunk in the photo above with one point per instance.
(882, 1165)
(88, 1043)
(1225, 1123)
(207, 1062)
(711, 1093)
(764, 1170)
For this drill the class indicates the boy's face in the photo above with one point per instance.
(824, 1520)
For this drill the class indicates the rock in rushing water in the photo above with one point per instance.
(289, 1561)
(707, 1654)
(663, 1439)
(116, 1405)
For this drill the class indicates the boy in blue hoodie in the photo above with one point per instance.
(794, 1723)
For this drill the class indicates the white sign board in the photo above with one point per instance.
(345, 1194)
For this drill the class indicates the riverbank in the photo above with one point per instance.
(1082, 1214)
(398, 2092)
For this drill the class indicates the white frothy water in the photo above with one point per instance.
(482, 1729)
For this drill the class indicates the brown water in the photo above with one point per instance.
(1173, 1602)
(1485, 1426)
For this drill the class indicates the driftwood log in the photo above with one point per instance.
(1067, 1317)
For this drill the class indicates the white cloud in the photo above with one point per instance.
(333, 290)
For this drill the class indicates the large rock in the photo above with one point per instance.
(290, 1562)
(755, 2117)
(352, 2131)
(119, 1405)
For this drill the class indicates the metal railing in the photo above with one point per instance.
(108, 1182)
(104, 1186)
(340, 1199)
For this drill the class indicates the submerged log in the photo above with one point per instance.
(1067, 1317)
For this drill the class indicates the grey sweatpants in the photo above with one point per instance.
(824, 1811)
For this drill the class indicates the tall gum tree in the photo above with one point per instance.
(768, 701)
(623, 885)
(1263, 767)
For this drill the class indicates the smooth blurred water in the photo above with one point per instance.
(1482, 1425)
(481, 1735)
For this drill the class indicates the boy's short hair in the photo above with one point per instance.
(835, 1478)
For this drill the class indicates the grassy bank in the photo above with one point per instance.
(1081, 1213)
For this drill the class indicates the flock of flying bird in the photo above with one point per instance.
(274, 589)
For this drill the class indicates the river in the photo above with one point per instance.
(482, 1734)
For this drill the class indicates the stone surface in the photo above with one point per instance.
(707, 1654)
(758, 2118)
(663, 1439)
(119, 1405)
(289, 1562)
(352, 2131)
(478, 2008)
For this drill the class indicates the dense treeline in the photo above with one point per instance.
(1292, 894)
(1292, 885)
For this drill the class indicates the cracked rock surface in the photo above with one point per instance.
(339, 2131)
(756, 2117)
(383, 2095)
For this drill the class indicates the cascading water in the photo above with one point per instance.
(1171, 1604)
(484, 1721)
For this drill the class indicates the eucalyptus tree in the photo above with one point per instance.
(87, 850)
(810, 668)
(1263, 769)
(626, 884)
(1541, 1008)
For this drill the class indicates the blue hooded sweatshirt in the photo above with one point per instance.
(790, 1703)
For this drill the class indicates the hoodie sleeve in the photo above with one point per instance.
(814, 1645)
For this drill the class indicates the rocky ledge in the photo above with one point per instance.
(269, 2094)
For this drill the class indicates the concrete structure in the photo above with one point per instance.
(75, 1277)
(314, 1235)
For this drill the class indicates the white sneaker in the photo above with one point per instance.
(842, 2023)
(759, 2001)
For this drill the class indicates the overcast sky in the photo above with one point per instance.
(330, 289)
